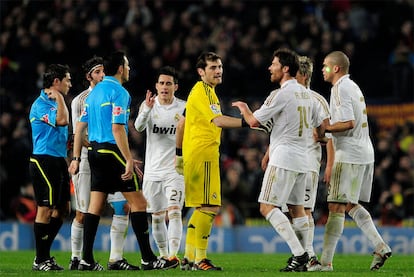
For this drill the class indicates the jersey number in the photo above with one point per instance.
(303, 119)
(176, 195)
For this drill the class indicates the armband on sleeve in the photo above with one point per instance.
(267, 127)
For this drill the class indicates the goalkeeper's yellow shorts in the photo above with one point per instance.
(202, 183)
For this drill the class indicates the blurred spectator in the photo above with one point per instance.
(402, 70)
(392, 205)
(14, 152)
(406, 137)
(24, 205)
(235, 191)
(253, 174)
(406, 164)
(228, 215)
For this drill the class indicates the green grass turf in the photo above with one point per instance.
(18, 263)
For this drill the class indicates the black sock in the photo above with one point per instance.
(139, 222)
(90, 227)
(41, 234)
(54, 227)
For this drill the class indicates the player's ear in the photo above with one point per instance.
(121, 69)
(200, 72)
(88, 77)
(56, 81)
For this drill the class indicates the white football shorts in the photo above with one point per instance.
(163, 194)
(281, 186)
(350, 183)
(82, 185)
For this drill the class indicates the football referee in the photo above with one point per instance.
(106, 115)
(49, 119)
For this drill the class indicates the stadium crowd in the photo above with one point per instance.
(245, 33)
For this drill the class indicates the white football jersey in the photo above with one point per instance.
(292, 111)
(77, 106)
(348, 103)
(160, 123)
(315, 149)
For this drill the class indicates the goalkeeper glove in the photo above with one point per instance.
(179, 163)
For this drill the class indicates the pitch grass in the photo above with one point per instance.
(19, 263)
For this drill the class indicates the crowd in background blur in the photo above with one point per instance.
(378, 36)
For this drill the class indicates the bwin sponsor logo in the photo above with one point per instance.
(164, 130)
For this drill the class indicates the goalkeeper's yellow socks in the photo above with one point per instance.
(203, 223)
(189, 251)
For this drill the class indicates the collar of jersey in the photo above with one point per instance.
(44, 96)
(343, 77)
(111, 79)
(206, 84)
(288, 82)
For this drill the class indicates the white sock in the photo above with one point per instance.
(119, 229)
(364, 221)
(76, 239)
(159, 232)
(301, 227)
(333, 231)
(309, 242)
(283, 227)
(175, 231)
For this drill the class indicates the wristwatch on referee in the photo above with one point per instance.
(76, 159)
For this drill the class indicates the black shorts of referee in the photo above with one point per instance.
(50, 179)
(107, 165)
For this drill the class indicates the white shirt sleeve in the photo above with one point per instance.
(142, 118)
(75, 112)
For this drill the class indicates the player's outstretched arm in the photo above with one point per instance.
(250, 120)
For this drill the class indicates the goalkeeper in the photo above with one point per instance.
(199, 134)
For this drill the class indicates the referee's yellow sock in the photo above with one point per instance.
(204, 222)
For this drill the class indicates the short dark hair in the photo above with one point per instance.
(113, 61)
(91, 63)
(288, 58)
(52, 72)
(206, 56)
(170, 71)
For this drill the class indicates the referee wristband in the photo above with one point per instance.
(178, 151)
(76, 159)
(244, 123)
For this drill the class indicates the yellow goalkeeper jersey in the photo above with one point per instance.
(201, 136)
